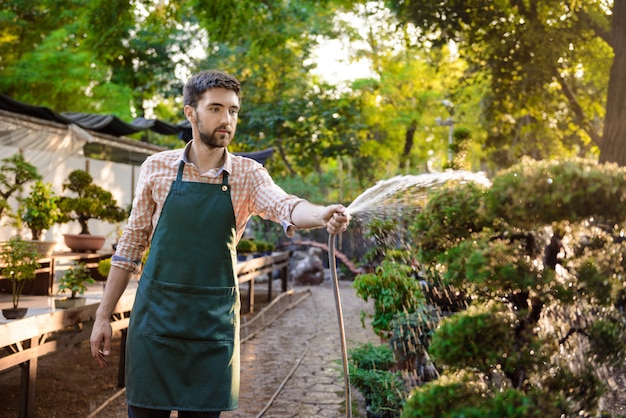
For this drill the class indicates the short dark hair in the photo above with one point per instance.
(205, 80)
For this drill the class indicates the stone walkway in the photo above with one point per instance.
(301, 351)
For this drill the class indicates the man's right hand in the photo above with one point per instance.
(100, 341)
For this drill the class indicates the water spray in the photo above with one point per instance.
(332, 239)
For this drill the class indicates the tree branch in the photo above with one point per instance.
(601, 32)
(571, 332)
(579, 114)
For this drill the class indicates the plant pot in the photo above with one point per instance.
(14, 313)
(371, 414)
(65, 303)
(84, 243)
(44, 248)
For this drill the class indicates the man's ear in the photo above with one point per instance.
(190, 113)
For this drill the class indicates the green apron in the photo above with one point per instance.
(183, 339)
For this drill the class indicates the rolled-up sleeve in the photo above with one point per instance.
(136, 234)
(270, 201)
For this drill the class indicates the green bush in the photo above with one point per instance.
(455, 397)
(535, 193)
(384, 391)
(246, 246)
(449, 217)
(368, 356)
(411, 333)
(394, 289)
(540, 258)
(482, 339)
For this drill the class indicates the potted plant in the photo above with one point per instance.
(75, 279)
(40, 210)
(15, 172)
(91, 202)
(245, 247)
(19, 258)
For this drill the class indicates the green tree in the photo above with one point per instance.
(405, 96)
(547, 64)
(142, 44)
(93, 56)
(284, 105)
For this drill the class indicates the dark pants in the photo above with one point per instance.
(135, 412)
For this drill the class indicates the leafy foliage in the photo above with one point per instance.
(394, 289)
(451, 215)
(19, 258)
(532, 90)
(39, 210)
(411, 333)
(92, 202)
(75, 280)
(459, 396)
(15, 172)
(544, 270)
(540, 192)
(369, 368)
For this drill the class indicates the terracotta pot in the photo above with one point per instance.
(84, 243)
(14, 313)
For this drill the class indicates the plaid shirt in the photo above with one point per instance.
(253, 192)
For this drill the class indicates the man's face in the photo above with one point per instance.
(215, 117)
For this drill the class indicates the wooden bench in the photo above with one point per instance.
(248, 271)
(27, 339)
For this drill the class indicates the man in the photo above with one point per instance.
(191, 207)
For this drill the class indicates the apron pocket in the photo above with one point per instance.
(191, 312)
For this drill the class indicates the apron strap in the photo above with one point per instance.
(176, 189)
(224, 181)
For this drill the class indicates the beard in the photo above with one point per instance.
(215, 139)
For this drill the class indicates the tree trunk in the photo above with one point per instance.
(409, 138)
(613, 145)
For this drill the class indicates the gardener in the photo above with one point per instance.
(191, 207)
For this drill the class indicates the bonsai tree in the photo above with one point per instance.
(15, 172)
(75, 279)
(40, 210)
(19, 258)
(541, 252)
(92, 202)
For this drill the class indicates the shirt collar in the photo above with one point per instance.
(228, 161)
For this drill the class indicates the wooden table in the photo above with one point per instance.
(43, 284)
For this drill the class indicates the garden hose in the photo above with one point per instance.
(332, 262)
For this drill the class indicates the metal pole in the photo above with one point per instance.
(332, 261)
